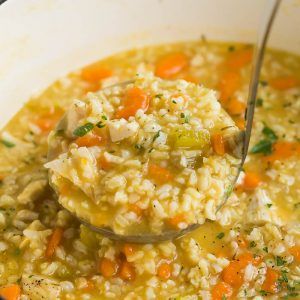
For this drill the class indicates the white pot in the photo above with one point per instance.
(41, 40)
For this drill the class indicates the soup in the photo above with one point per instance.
(250, 250)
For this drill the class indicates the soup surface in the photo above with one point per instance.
(252, 250)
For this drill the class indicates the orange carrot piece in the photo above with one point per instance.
(218, 144)
(160, 174)
(176, 220)
(103, 163)
(164, 271)
(128, 249)
(190, 78)
(54, 242)
(235, 107)
(89, 140)
(95, 72)
(108, 268)
(270, 284)
(228, 85)
(242, 242)
(127, 271)
(11, 292)
(171, 65)
(251, 181)
(295, 251)
(134, 100)
(221, 290)
(284, 83)
(136, 209)
(240, 123)
(239, 59)
(233, 274)
(283, 150)
(47, 121)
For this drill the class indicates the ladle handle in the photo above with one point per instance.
(262, 37)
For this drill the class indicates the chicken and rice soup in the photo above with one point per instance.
(252, 248)
(137, 156)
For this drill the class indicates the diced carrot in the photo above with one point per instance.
(128, 249)
(170, 65)
(270, 284)
(127, 271)
(242, 242)
(160, 174)
(251, 180)
(239, 59)
(233, 274)
(89, 285)
(240, 123)
(103, 163)
(135, 99)
(190, 78)
(54, 242)
(283, 150)
(90, 140)
(218, 143)
(221, 290)
(95, 72)
(295, 251)
(284, 83)
(228, 85)
(235, 107)
(176, 220)
(136, 209)
(47, 121)
(108, 268)
(11, 292)
(164, 271)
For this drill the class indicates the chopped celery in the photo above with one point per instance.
(185, 138)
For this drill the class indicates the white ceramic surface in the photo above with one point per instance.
(41, 40)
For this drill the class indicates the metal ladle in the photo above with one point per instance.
(243, 137)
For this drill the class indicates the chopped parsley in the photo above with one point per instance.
(263, 293)
(279, 261)
(158, 96)
(186, 117)
(104, 117)
(269, 205)
(297, 205)
(266, 249)
(220, 235)
(60, 132)
(174, 101)
(259, 102)
(156, 135)
(83, 130)
(7, 144)
(265, 146)
(252, 244)
(263, 82)
(100, 125)
(138, 146)
(224, 297)
(231, 48)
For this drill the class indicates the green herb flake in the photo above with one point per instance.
(231, 48)
(104, 117)
(138, 146)
(100, 125)
(264, 147)
(224, 297)
(266, 249)
(173, 101)
(7, 144)
(17, 252)
(263, 82)
(158, 96)
(259, 102)
(279, 261)
(269, 205)
(297, 205)
(252, 244)
(220, 235)
(269, 134)
(263, 293)
(156, 135)
(60, 132)
(83, 130)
